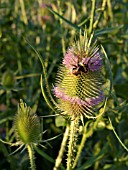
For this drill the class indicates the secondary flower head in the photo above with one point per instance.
(26, 124)
(8, 80)
(79, 80)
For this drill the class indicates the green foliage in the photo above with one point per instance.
(51, 30)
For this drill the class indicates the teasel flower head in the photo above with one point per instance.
(26, 124)
(8, 79)
(79, 81)
(27, 130)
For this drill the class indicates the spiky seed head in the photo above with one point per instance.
(8, 79)
(26, 124)
(79, 80)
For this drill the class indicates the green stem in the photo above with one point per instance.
(101, 13)
(61, 28)
(28, 75)
(25, 20)
(62, 149)
(117, 136)
(72, 142)
(31, 157)
(92, 16)
(110, 9)
(8, 97)
(86, 134)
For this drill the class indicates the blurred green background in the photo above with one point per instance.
(20, 71)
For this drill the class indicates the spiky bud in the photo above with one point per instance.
(8, 79)
(79, 81)
(26, 124)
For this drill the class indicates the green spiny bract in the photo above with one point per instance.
(26, 124)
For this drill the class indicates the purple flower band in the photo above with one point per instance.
(76, 100)
(72, 60)
(95, 62)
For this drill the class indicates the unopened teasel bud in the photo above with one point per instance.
(26, 124)
(8, 79)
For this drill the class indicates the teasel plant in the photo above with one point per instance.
(26, 128)
(28, 132)
(82, 87)
(79, 89)
(80, 92)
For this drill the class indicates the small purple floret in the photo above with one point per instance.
(70, 60)
(85, 60)
(95, 62)
(95, 100)
(76, 100)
